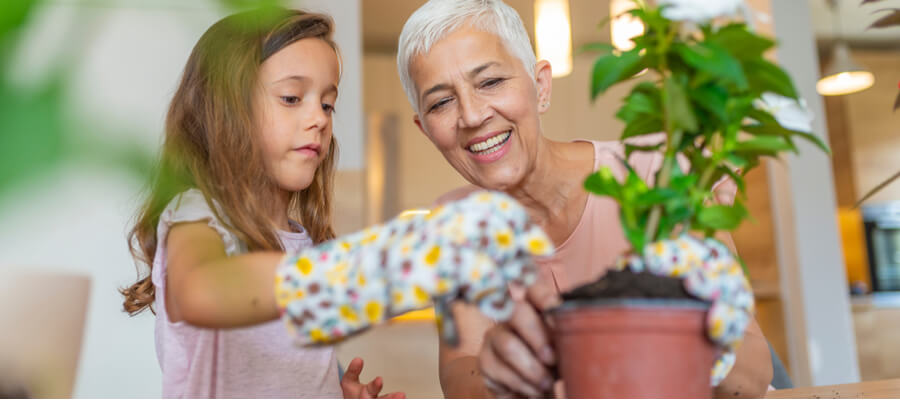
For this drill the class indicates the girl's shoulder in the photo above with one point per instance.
(192, 206)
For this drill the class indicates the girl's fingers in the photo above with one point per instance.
(374, 387)
(351, 375)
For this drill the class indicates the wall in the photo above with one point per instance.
(874, 129)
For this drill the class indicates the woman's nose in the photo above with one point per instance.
(474, 111)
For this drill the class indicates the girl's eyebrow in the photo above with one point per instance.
(332, 88)
(299, 78)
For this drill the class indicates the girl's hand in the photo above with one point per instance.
(354, 389)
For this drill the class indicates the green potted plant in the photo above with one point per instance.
(652, 327)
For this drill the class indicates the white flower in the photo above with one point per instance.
(790, 113)
(699, 11)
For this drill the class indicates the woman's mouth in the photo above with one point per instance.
(490, 149)
(490, 145)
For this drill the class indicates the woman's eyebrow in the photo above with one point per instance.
(472, 74)
(479, 69)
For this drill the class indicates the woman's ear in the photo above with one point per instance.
(418, 123)
(543, 77)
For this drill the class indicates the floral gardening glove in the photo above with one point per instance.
(710, 273)
(468, 250)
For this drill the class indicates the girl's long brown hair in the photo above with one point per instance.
(209, 143)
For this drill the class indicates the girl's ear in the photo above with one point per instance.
(543, 76)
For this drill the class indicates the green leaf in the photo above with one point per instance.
(611, 69)
(639, 105)
(603, 183)
(634, 235)
(634, 185)
(736, 161)
(642, 126)
(655, 196)
(774, 144)
(740, 42)
(761, 116)
(765, 76)
(713, 59)
(683, 182)
(712, 98)
(814, 140)
(769, 126)
(678, 108)
(719, 217)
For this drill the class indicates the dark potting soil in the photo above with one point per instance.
(628, 284)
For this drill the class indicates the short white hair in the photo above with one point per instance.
(438, 18)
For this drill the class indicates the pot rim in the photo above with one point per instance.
(629, 302)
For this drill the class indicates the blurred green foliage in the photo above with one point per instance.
(36, 134)
(31, 132)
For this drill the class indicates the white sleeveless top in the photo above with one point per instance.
(254, 362)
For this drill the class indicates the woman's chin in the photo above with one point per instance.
(498, 181)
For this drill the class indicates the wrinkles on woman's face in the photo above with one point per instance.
(479, 107)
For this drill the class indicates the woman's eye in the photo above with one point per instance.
(290, 100)
(328, 108)
(491, 82)
(439, 104)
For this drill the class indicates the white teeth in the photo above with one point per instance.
(490, 145)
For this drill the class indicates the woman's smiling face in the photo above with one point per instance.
(480, 107)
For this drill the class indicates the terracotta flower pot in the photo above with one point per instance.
(634, 348)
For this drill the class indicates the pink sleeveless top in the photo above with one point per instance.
(254, 362)
(597, 240)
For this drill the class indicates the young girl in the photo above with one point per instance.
(248, 153)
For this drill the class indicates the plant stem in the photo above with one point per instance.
(665, 174)
(674, 139)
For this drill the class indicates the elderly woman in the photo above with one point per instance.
(470, 73)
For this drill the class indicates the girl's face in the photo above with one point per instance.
(294, 108)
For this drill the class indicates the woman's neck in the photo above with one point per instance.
(552, 192)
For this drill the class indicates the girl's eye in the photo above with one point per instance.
(328, 108)
(491, 83)
(290, 100)
(439, 104)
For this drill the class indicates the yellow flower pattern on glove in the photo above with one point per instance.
(469, 250)
(711, 273)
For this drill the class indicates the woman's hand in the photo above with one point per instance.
(517, 358)
(354, 389)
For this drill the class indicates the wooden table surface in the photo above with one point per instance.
(875, 389)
